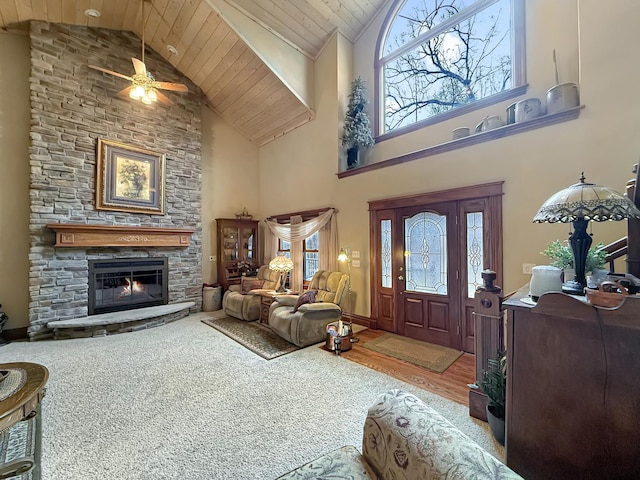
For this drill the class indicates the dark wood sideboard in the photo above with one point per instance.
(573, 388)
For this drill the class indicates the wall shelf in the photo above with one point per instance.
(473, 139)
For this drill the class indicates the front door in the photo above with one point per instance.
(427, 287)
(427, 256)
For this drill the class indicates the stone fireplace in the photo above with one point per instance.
(72, 106)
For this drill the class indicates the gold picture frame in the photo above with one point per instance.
(129, 179)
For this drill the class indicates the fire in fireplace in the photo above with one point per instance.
(127, 283)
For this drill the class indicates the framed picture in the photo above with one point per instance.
(129, 179)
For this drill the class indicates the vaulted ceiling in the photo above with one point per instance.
(237, 83)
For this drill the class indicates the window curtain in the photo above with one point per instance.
(296, 276)
(270, 246)
(298, 231)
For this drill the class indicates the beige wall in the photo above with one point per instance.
(14, 178)
(534, 165)
(229, 179)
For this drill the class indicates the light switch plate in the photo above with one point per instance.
(355, 254)
(355, 263)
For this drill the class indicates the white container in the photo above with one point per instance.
(489, 123)
(211, 299)
(562, 97)
(460, 132)
(544, 279)
(528, 109)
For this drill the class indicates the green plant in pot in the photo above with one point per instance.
(561, 256)
(357, 130)
(494, 386)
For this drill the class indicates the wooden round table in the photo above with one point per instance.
(22, 403)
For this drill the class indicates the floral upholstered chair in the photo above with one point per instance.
(405, 439)
(243, 301)
(307, 324)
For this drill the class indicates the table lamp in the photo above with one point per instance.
(578, 204)
(282, 265)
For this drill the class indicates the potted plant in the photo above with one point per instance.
(561, 256)
(494, 386)
(357, 130)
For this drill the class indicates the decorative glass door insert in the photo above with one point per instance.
(426, 253)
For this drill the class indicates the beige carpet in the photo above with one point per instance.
(427, 355)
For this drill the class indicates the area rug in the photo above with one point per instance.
(258, 338)
(427, 355)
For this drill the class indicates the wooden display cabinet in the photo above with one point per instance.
(573, 394)
(237, 242)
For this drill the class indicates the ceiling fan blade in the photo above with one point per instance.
(162, 98)
(175, 87)
(111, 72)
(125, 91)
(139, 66)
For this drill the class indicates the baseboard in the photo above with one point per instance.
(15, 334)
(360, 320)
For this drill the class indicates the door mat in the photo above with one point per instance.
(427, 355)
(258, 338)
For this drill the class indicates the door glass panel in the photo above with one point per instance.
(425, 240)
(475, 252)
(385, 252)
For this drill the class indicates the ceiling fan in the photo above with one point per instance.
(144, 86)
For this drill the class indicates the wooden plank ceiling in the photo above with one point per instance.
(237, 84)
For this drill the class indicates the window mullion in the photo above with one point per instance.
(438, 29)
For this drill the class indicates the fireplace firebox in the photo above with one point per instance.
(127, 283)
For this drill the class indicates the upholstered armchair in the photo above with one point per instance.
(308, 324)
(243, 301)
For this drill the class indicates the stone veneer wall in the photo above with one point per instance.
(71, 107)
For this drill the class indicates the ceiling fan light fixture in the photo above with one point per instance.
(153, 96)
(92, 12)
(137, 92)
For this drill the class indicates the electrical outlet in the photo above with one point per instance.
(527, 268)
(355, 263)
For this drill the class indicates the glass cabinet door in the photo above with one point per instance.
(248, 244)
(230, 244)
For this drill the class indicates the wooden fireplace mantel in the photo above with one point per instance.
(83, 235)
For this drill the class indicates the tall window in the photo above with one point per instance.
(311, 249)
(436, 56)
(311, 254)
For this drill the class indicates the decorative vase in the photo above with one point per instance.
(352, 157)
(496, 424)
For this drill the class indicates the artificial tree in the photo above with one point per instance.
(357, 130)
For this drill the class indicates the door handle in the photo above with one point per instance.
(400, 277)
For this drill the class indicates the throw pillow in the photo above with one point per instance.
(250, 283)
(308, 297)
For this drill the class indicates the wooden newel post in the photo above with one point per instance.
(489, 335)
(633, 233)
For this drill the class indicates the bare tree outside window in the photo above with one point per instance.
(443, 54)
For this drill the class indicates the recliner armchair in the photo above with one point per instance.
(308, 325)
(246, 306)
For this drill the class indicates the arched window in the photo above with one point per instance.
(440, 58)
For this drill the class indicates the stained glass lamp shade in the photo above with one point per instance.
(282, 265)
(578, 204)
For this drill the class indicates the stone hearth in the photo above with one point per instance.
(119, 322)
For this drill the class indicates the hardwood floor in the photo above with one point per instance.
(451, 384)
